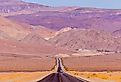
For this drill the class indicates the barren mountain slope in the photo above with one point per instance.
(35, 39)
(43, 31)
(30, 39)
(104, 19)
(61, 17)
(89, 39)
(12, 29)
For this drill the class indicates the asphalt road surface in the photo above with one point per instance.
(61, 76)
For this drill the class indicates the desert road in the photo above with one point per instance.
(61, 76)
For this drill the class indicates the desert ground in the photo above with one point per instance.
(25, 63)
(99, 76)
(105, 68)
(93, 63)
(22, 76)
(23, 68)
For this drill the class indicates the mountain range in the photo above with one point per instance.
(87, 39)
(31, 28)
(18, 38)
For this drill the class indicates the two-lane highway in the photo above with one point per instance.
(61, 76)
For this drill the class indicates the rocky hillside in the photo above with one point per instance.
(25, 39)
(12, 29)
(89, 39)
(34, 39)
(103, 19)
(43, 32)
(88, 28)
(61, 17)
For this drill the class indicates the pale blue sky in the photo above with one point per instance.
(115, 4)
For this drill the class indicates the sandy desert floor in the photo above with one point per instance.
(25, 63)
(22, 76)
(93, 63)
(104, 76)
(105, 68)
(23, 68)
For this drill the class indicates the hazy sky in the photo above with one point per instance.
(83, 3)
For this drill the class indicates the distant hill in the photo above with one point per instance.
(43, 31)
(34, 39)
(60, 17)
(24, 39)
(88, 28)
(88, 39)
(18, 31)
(12, 29)
(8, 6)
(102, 19)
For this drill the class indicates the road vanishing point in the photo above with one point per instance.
(60, 75)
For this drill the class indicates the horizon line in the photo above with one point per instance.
(72, 6)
